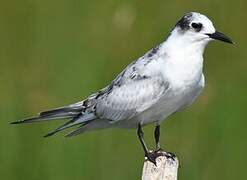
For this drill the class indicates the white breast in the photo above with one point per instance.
(186, 81)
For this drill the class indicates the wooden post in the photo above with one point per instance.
(166, 168)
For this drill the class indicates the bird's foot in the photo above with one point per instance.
(170, 155)
(158, 149)
(152, 155)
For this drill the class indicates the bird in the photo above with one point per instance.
(166, 79)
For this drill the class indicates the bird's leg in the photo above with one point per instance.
(141, 138)
(151, 156)
(157, 138)
(157, 141)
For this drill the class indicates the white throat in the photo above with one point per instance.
(184, 58)
(184, 44)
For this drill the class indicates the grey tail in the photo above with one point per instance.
(59, 113)
(82, 119)
(76, 112)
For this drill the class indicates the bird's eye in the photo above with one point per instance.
(197, 26)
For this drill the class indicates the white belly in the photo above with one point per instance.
(176, 99)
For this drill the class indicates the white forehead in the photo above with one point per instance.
(206, 22)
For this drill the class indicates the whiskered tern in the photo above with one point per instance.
(165, 80)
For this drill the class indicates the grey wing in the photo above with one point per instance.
(131, 98)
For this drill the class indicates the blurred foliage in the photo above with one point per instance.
(58, 52)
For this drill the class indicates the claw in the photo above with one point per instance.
(151, 156)
(170, 155)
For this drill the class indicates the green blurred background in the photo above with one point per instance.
(53, 53)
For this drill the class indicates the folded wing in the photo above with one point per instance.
(128, 99)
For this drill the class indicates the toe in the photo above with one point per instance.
(170, 155)
(151, 156)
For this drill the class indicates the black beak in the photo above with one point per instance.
(220, 36)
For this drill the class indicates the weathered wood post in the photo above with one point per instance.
(166, 169)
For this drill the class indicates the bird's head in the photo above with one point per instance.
(195, 28)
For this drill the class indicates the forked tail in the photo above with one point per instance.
(75, 112)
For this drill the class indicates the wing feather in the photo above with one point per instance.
(131, 98)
